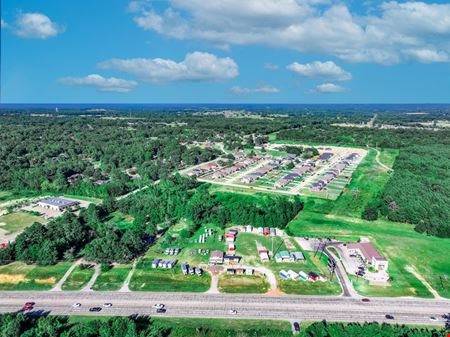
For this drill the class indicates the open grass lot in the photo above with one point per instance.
(112, 279)
(120, 220)
(245, 284)
(145, 278)
(317, 264)
(17, 221)
(20, 276)
(78, 278)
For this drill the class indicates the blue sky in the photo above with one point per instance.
(219, 51)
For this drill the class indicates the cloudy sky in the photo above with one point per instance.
(263, 51)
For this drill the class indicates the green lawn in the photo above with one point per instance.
(245, 284)
(18, 221)
(78, 278)
(246, 246)
(20, 276)
(112, 279)
(145, 278)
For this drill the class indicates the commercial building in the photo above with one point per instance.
(369, 254)
(57, 204)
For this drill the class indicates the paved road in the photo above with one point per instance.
(411, 311)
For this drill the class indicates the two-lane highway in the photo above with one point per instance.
(405, 310)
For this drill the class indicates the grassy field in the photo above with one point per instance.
(245, 284)
(145, 278)
(16, 222)
(246, 246)
(78, 278)
(20, 276)
(112, 279)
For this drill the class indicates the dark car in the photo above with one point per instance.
(365, 300)
(26, 308)
(160, 311)
(296, 327)
(95, 309)
(389, 316)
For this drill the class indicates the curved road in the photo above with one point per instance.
(406, 311)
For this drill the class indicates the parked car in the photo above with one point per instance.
(160, 310)
(95, 309)
(76, 305)
(388, 316)
(296, 327)
(158, 306)
(365, 300)
(107, 305)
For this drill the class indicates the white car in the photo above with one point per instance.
(232, 312)
(76, 305)
(107, 305)
(158, 306)
(434, 319)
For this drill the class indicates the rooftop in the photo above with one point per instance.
(58, 202)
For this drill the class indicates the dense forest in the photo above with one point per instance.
(19, 325)
(419, 190)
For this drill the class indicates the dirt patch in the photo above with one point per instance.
(275, 292)
(12, 279)
(50, 280)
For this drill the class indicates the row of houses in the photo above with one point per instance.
(285, 256)
(204, 169)
(261, 172)
(173, 251)
(292, 275)
(230, 238)
(298, 172)
(236, 167)
(165, 264)
(334, 172)
(188, 270)
(219, 257)
(243, 271)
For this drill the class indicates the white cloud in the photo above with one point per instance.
(3, 23)
(329, 88)
(308, 26)
(267, 89)
(427, 55)
(111, 84)
(317, 69)
(271, 66)
(36, 26)
(196, 66)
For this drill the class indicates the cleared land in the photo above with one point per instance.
(14, 223)
(78, 278)
(112, 279)
(20, 276)
(245, 284)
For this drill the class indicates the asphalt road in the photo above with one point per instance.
(407, 311)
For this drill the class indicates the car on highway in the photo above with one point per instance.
(388, 316)
(76, 305)
(25, 308)
(158, 306)
(434, 319)
(365, 300)
(29, 304)
(232, 312)
(95, 309)
(160, 311)
(107, 305)
(296, 327)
